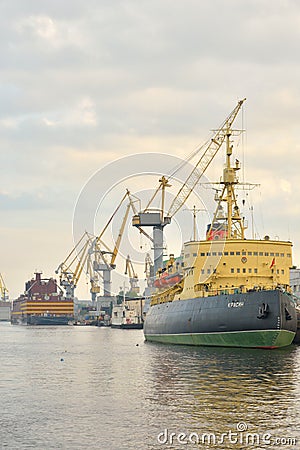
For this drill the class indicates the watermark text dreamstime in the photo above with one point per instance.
(240, 435)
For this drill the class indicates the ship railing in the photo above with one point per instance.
(168, 295)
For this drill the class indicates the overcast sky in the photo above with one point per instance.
(84, 83)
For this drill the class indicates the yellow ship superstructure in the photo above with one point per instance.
(231, 266)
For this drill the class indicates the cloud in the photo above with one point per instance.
(38, 199)
(82, 86)
(9, 122)
(286, 186)
(83, 114)
(56, 34)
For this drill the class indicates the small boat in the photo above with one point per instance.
(125, 318)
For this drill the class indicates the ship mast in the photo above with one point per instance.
(233, 223)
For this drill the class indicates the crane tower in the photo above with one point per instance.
(158, 219)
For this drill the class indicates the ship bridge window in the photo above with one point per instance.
(225, 253)
(244, 253)
(231, 253)
(238, 270)
(261, 254)
(202, 271)
(202, 254)
(187, 255)
(238, 253)
(214, 253)
(276, 254)
(277, 271)
(194, 254)
(288, 255)
(266, 253)
(282, 271)
(250, 270)
(208, 254)
(281, 254)
(249, 253)
(220, 253)
(244, 270)
(255, 253)
(208, 271)
(272, 254)
(255, 270)
(232, 270)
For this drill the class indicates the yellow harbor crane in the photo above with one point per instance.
(133, 278)
(94, 276)
(101, 257)
(94, 256)
(158, 220)
(71, 268)
(149, 270)
(3, 290)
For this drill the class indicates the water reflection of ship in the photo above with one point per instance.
(212, 389)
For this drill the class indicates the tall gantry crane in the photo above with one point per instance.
(3, 290)
(158, 219)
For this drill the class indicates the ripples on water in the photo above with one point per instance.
(98, 388)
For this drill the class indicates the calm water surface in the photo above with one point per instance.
(101, 388)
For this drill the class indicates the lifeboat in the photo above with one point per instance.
(167, 279)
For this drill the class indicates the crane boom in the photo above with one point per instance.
(101, 257)
(68, 261)
(3, 290)
(92, 255)
(206, 158)
(68, 274)
(81, 263)
(129, 268)
(133, 278)
(119, 238)
(127, 193)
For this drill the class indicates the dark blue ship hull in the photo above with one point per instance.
(264, 319)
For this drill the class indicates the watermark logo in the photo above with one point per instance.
(241, 435)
